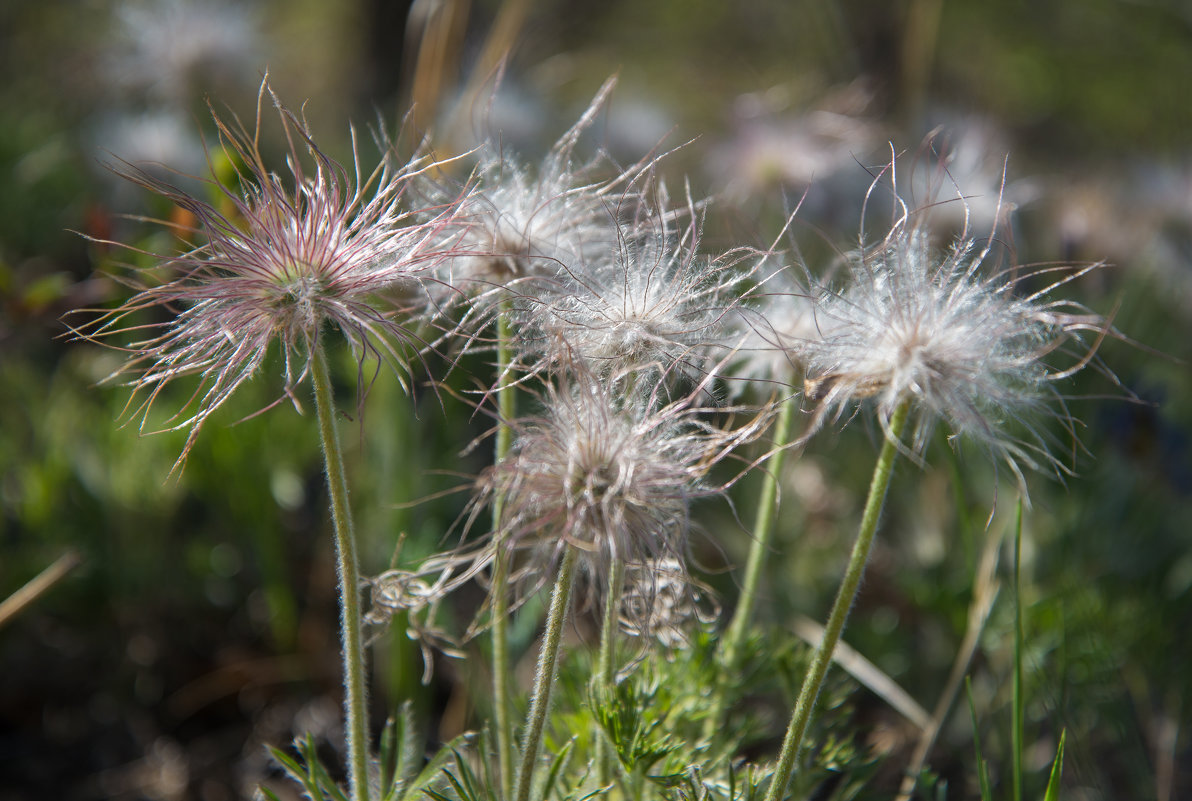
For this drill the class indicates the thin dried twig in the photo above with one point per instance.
(867, 673)
(985, 593)
(14, 604)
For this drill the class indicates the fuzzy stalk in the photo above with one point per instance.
(544, 677)
(763, 529)
(814, 681)
(606, 665)
(348, 571)
(507, 410)
(1016, 686)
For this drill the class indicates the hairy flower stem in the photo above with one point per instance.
(355, 697)
(847, 593)
(606, 666)
(545, 675)
(763, 528)
(507, 409)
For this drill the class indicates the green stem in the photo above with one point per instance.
(847, 593)
(355, 697)
(606, 666)
(507, 410)
(545, 675)
(763, 528)
(1016, 686)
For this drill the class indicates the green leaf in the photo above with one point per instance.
(1057, 768)
(982, 766)
(309, 772)
(558, 764)
(409, 752)
(389, 772)
(434, 767)
(319, 774)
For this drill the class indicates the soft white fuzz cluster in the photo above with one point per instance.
(612, 477)
(653, 303)
(610, 311)
(587, 260)
(515, 226)
(952, 336)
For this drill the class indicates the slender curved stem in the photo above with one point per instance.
(763, 528)
(847, 593)
(1016, 685)
(545, 675)
(507, 410)
(606, 666)
(352, 641)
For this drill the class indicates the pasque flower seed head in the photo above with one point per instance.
(277, 260)
(517, 221)
(612, 477)
(654, 302)
(517, 227)
(954, 338)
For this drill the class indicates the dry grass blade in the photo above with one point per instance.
(867, 673)
(985, 593)
(14, 604)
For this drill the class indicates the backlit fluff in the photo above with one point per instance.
(955, 338)
(652, 303)
(276, 261)
(767, 336)
(515, 224)
(613, 478)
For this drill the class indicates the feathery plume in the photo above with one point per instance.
(515, 225)
(960, 341)
(652, 303)
(613, 478)
(289, 255)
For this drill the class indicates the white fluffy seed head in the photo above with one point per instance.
(517, 227)
(958, 340)
(612, 477)
(513, 223)
(653, 303)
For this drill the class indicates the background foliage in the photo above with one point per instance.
(200, 623)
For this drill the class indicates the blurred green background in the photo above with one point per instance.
(200, 622)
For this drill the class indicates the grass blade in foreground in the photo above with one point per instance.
(1057, 769)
